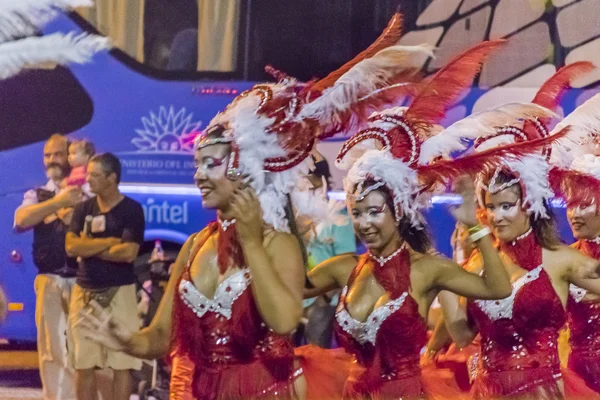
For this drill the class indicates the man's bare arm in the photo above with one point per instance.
(29, 216)
(86, 247)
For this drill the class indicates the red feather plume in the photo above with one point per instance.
(443, 171)
(551, 92)
(575, 187)
(447, 84)
(406, 84)
(388, 37)
(403, 85)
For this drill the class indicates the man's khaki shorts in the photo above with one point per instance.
(88, 354)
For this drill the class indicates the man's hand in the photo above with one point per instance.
(65, 215)
(69, 196)
(27, 216)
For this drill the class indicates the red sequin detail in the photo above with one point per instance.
(520, 355)
(391, 366)
(217, 358)
(584, 324)
(229, 249)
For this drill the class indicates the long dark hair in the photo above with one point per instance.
(289, 214)
(417, 237)
(543, 228)
(322, 170)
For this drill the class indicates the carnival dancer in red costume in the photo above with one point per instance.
(234, 296)
(576, 179)
(463, 360)
(235, 293)
(519, 352)
(388, 291)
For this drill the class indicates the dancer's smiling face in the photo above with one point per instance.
(210, 177)
(374, 222)
(584, 220)
(505, 213)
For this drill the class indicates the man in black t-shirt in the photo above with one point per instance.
(106, 233)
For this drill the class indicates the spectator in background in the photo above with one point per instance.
(184, 51)
(48, 212)
(106, 233)
(325, 239)
(171, 34)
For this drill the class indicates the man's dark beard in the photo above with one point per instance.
(65, 169)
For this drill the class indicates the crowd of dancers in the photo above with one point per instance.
(236, 289)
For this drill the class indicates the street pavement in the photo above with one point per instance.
(19, 375)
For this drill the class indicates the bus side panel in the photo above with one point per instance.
(179, 213)
(16, 277)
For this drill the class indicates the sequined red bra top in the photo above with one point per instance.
(514, 336)
(584, 315)
(222, 334)
(389, 342)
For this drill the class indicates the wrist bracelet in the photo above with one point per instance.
(480, 234)
(475, 229)
(429, 353)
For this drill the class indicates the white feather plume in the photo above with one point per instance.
(587, 164)
(56, 48)
(336, 216)
(335, 213)
(309, 203)
(584, 123)
(319, 212)
(256, 144)
(381, 165)
(533, 174)
(19, 18)
(482, 124)
(362, 79)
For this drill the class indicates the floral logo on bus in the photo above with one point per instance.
(169, 131)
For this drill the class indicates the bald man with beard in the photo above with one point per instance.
(47, 211)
